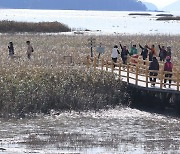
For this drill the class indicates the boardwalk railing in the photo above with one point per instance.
(137, 72)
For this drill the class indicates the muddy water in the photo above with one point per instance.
(105, 132)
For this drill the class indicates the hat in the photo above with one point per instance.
(168, 58)
(154, 58)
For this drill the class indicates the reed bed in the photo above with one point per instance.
(167, 18)
(13, 26)
(47, 82)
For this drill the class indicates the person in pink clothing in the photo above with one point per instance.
(168, 66)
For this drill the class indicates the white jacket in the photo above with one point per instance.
(114, 53)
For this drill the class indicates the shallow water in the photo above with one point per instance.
(120, 130)
(112, 22)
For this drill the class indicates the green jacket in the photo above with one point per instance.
(133, 51)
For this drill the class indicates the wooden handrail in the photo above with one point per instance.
(138, 72)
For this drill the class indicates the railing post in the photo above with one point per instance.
(112, 66)
(178, 78)
(161, 78)
(95, 61)
(119, 69)
(88, 61)
(137, 65)
(107, 65)
(147, 72)
(102, 64)
(128, 73)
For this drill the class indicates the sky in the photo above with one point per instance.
(160, 3)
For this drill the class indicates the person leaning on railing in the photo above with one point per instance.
(168, 66)
(154, 66)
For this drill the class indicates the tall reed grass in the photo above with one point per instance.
(45, 82)
(39, 90)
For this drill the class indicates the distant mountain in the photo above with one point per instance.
(113, 5)
(173, 7)
(150, 6)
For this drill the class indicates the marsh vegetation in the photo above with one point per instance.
(14, 26)
(47, 83)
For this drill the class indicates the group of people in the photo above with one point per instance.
(29, 51)
(150, 53)
(168, 66)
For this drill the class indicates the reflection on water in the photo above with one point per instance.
(112, 131)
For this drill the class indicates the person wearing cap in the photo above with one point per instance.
(115, 53)
(168, 66)
(154, 66)
(124, 53)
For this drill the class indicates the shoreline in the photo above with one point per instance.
(110, 22)
(87, 33)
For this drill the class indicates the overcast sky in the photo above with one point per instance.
(160, 3)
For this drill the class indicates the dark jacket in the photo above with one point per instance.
(144, 52)
(162, 53)
(11, 50)
(168, 53)
(154, 65)
(124, 52)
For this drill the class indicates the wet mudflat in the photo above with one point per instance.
(120, 130)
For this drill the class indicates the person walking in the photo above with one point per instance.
(144, 52)
(154, 66)
(29, 49)
(168, 66)
(162, 53)
(11, 49)
(115, 53)
(124, 54)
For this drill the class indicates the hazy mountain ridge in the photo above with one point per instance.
(113, 5)
(151, 6)
(173, 7)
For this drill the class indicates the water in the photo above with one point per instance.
(108, 22)
(120, 130)
(115, 131)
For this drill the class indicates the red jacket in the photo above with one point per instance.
(168, 67)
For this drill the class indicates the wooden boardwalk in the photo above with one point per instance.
(136, 73)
